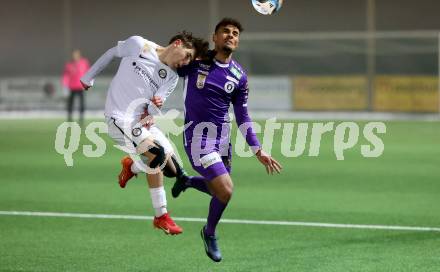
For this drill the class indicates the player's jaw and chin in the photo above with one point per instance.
(229, 48)
(230, 45)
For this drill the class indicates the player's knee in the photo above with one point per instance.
(225, 194)
(159, 155)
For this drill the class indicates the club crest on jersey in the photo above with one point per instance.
(229, 86)
(136, 132)
(162, 73)
(201, 78)
(236, 72)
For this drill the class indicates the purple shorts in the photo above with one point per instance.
(210, 164)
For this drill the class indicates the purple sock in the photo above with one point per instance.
(198, 183)
(216, 208)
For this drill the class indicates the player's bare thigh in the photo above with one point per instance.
(144, 147)
(222, 187)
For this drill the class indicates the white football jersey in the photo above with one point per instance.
(140, 76)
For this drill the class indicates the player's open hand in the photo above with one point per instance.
(85, 86)
(270, 163)
(157, 101)
(147, 120)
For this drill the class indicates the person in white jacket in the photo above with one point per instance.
(147, 72)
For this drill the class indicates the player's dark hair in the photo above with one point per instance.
(229, 21)
(208, 56)
(201, 48)
(199, 45)
(186, 37)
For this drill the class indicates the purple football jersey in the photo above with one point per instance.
(209, 90)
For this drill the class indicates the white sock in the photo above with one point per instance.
(139, 165)
(159, 199)
(135, 168)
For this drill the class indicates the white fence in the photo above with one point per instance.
(46, 94)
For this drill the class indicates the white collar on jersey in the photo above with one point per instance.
(223, 65)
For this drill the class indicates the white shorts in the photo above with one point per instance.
(129, 135)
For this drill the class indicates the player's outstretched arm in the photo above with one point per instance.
(270, 163)
(245, 124)
(130, 47)
(88, 79)
(244, 121)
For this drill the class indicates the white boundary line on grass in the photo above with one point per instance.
(230, 221)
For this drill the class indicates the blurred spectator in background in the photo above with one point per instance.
(73, 71)
(49, 90)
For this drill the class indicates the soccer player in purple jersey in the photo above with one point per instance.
(211, 85)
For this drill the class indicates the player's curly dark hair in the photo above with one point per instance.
(201, 48)
(199, 45)
(229, 21)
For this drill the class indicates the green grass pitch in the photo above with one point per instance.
(402, 187)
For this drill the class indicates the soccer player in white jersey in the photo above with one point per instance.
(146, 72)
